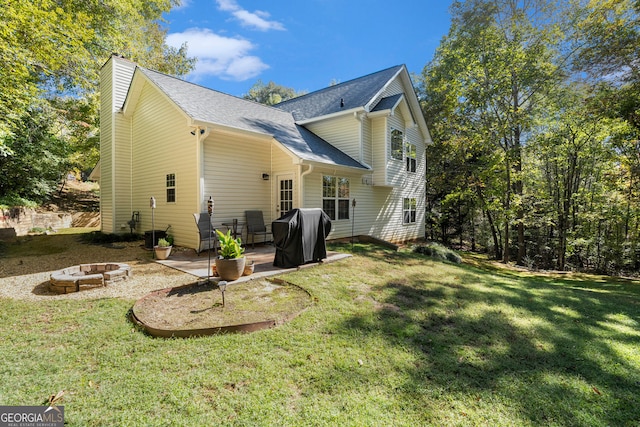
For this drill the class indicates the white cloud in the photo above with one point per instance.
(257, 19)
(225, 57)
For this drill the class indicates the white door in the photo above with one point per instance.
(285, 195)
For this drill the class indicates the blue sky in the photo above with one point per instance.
(304, 44)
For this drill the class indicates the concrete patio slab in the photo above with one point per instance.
(188, 261)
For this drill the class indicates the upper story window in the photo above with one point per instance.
(397, 144)
(411, 154)
(171, 188)
(335, 197)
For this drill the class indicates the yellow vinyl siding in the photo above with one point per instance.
(394, 88)
(163, 144)
(122, 174)
(378, 210)
(233, 168)
(367, 148)
(114, 154)
(342, 132)
(106, 147)
(380, 144)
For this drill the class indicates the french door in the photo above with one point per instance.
(285, 194)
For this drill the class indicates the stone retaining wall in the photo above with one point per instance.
(20, 221)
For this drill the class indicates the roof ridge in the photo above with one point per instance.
(210, 89)
(338, 85)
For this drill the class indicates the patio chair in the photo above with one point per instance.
(255, 226)
(207, 233)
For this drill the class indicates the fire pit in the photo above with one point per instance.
(87, 276)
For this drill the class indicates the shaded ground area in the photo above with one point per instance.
(199, 306)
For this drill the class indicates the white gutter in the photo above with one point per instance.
(329, 116)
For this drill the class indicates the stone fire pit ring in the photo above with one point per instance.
(88, 276)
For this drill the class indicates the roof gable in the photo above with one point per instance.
(345, 96)
(365, 93)
(209, 107)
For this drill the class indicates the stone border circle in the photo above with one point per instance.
(88, 276)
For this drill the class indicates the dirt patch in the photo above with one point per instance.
(199, 306)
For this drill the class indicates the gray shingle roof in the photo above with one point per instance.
(210, 106)
(387, 103)
(344, 96)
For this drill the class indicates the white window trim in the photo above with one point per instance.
(414, 210)
(402, 143)
(408, 145)
(337, 199)
(168, 187)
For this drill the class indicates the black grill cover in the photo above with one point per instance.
(299, 237)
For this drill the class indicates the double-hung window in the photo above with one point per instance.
(335, 197)
(409, 210)
(397, 144)
(171, 188)
(411, 156)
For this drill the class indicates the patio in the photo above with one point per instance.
(188, 261)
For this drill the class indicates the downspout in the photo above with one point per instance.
(301, 186)
(358, 117)
(131, 165)
(201, 135)
(199, 173)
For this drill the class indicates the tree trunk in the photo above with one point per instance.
(518, 189)
(507, 207)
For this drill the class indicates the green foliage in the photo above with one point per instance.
(38, 158)
(436, 250)
(51, 53)
(484, 89)
(99, 238)
(606, 35)
(270, 93)
(163, 243)
(527, 158)
(229, 247)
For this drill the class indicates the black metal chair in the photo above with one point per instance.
(207, 233)
(256, 226)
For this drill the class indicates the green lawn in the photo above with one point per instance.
(393, 339)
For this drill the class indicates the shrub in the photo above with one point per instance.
(438, 251)
(98, 237)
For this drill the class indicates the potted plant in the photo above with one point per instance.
(163, 250)
(230, 262)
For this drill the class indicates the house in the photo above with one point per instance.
(355, 149)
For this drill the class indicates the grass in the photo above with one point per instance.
(392, 339)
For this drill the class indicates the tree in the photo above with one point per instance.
(495, 66)
(606, 38)
(573, 150)
(51, 51)
(38, 157)
(271, 93)
(39, 42)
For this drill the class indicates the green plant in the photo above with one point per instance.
(38, 230)
(99, 238)
(438, 251)
(164, 243)
(169, 236)
(229, 247)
